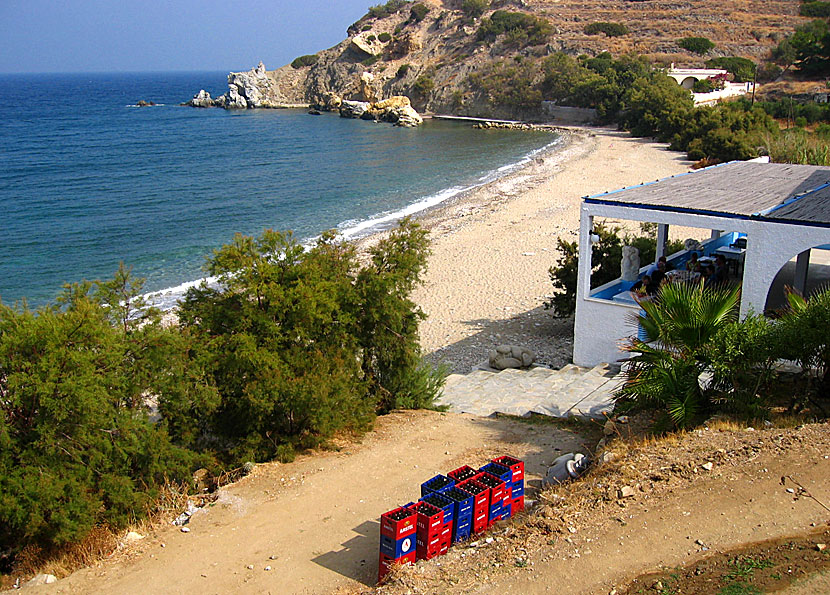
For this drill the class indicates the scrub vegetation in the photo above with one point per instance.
(102, 406)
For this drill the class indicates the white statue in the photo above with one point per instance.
(630, 265)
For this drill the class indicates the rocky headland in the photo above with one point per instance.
(449, 60)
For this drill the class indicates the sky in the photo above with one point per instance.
(167, 35)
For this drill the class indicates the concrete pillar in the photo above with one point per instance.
(715, 234)
(662, 238)
(802, 265)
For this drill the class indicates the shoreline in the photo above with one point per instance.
(493, 243)
(487, 276)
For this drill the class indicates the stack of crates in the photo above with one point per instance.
(481, 502)
(451, 508)
(448, 507)
(428, 535)
(397, 539)
(517, 470)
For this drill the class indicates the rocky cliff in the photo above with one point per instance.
(437, 54)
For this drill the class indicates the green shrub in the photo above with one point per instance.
(384, 10)
(769, 72)
(741, 357)
(606, 255)
(510, 85)
(742, 69)
(519, 28)
(76, 446)
(801, 121)
(370, 60)
(418, 12)
(303, 343)
(402, 70)
(366, 27)
(306, 60)
(610, 29)
(697, 45)
(703, 86)
(802, 335)
(370, 38)
(474, 8)
(815, 9)
(798, 146)
(384, 37)
(423, 85)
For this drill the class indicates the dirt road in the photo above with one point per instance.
(314, 522)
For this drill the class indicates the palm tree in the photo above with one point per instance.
(679, 326)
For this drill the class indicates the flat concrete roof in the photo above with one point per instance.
(743, 189)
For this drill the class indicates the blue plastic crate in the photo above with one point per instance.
(503, 473)
(518, 488)
(397, 548)
(461, 531)
(463, 501)
(439, 483)
(441, 501)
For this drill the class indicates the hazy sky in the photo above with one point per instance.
(154, 35)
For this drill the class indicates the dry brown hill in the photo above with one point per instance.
(431, 59)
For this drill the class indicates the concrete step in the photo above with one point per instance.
(570, 390)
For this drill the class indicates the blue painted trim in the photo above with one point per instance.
(790, 201)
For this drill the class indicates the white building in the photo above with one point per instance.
(761, 215)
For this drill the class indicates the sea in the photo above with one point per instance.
(88, 179)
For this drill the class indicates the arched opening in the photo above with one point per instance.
(688, 82)
(807, 272)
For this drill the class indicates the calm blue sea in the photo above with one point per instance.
(87, 179)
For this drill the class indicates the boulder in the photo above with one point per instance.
(367, 88)
(330, 101)
(41, 579)
(201, 99)
(407, 116)
(367, 43)
(142, 103)
(353, 109)
(511, 356)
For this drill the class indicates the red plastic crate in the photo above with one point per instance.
(517, 505)
(385, 564)
(430, 543)
(517, 466)
(495, 484)
(508, 495)
(430, 518)
(462, 473)
(398, 523)
(427, 553)
(445, 547)
(480, 521)
(446, 532)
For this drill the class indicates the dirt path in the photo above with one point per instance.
(317, 517)
(678, 513)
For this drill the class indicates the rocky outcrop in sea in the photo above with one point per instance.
(256, 88)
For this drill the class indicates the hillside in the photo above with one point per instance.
(434, 54)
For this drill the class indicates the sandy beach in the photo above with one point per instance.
(492, 248)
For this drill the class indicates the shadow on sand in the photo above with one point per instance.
(542, 439)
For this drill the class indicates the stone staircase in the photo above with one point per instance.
(571, 390)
